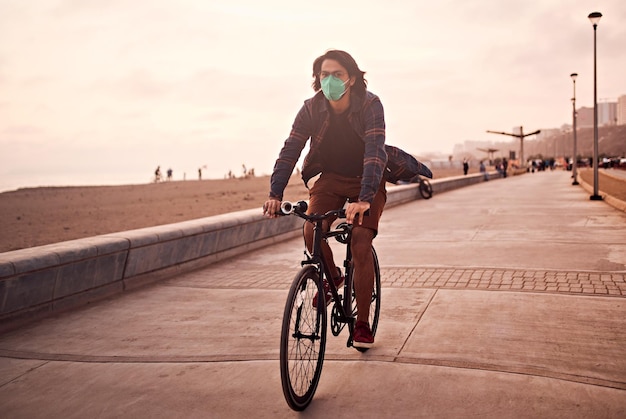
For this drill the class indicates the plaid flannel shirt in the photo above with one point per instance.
(366, 116)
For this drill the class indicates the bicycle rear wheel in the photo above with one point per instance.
(374, 313)
(426, 189)
(303, 339)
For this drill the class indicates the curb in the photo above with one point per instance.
(612, 201)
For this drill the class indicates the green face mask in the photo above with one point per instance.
(333, 88)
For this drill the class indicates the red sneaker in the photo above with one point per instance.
(329, 295)
(362, 337)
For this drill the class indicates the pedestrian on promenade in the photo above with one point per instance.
(465, 166)
(483, 170)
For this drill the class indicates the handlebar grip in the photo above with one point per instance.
(287, 207)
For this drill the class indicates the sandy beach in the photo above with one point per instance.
(37, 216)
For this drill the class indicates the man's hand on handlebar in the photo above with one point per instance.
(356, 210)
(271, 208)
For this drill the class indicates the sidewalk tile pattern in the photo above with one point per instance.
(588, 283)
(610, 284)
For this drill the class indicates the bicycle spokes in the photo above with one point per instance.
(303, 339)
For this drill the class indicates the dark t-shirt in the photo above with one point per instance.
(342, 150)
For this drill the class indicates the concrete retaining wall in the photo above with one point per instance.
(64, 275)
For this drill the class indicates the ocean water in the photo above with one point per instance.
(14, 182)
(107, 168)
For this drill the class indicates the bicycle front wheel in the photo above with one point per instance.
(303, 338)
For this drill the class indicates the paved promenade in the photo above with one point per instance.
(505, 299)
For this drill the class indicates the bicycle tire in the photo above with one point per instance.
(426, 189)
(374, 314)
(303, 339)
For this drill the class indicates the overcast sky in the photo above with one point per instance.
(110, 89)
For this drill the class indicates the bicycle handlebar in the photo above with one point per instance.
(300, 207)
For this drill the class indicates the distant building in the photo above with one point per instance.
(620, 110)
(607, 113)
(475, 150)
(584, 118)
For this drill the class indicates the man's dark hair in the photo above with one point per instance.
(347, 62)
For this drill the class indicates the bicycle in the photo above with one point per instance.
(304, 326)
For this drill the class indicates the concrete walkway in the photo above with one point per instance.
(506, 299)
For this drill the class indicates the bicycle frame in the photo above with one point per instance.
(344, 309)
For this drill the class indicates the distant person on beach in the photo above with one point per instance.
(157, 174)
(199, 173)
(465, 166)
(169, 174)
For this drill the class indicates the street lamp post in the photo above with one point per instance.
(575, 159)
(595, 18)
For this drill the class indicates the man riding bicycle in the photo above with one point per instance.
(346, 125)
